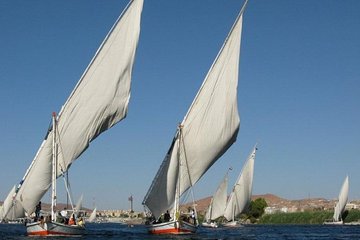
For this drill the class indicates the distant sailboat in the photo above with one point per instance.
(240, 196)
(208, 129)
(340, 205)
(78, 205)
(217, 205)
(9, 213)
(99, 101)
(92, 216)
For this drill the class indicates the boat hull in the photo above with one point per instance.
(231, 224)
(352, 223)
(53, 229)
(172, 227)
(209, 225)
(333, 223)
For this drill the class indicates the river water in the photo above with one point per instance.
(121, 231)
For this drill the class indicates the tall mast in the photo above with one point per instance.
(67, 185)
(54, 168)
(177, 192)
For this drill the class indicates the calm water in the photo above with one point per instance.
(119, 231)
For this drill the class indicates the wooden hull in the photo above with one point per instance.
(53, 229)
(172, 227)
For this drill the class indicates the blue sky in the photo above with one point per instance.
(298, 95)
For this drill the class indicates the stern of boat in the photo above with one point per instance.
(172, 227)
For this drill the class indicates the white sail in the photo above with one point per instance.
(240, 196)
(99, 100)
(343, 198)
(10, 210)
(92, 216)
(207, 131)
(78, 205)
(218, 202)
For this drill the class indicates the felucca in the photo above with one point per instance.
(99, 101)
(208, 129)
(217, 205)
(340, 205)
(240, 197)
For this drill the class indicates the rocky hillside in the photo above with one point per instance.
(278, 203)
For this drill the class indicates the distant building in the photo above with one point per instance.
(350, 206)
(271, 210)
(284, 209)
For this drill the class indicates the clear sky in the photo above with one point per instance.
(298, 95)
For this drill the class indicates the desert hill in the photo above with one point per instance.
(277, 202)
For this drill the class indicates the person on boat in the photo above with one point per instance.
(81, 222)
(42, 221)
(183, 217)
(59, 218)
(72, 220)
(63, 213)
(167, 216)
(37, 211)
(192, 215)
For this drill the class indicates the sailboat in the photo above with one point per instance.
(240, 196)
(217, 205)
(78, 205)
(99, 101)
(208, 129)
(92, 216)
(340, 205)
(7, 212)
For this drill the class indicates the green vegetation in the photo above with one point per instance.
(352, 215)
(308, 217)
(255, 214)
(296, 218)
(256, 209)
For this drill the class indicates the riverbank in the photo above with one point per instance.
(310, 217)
